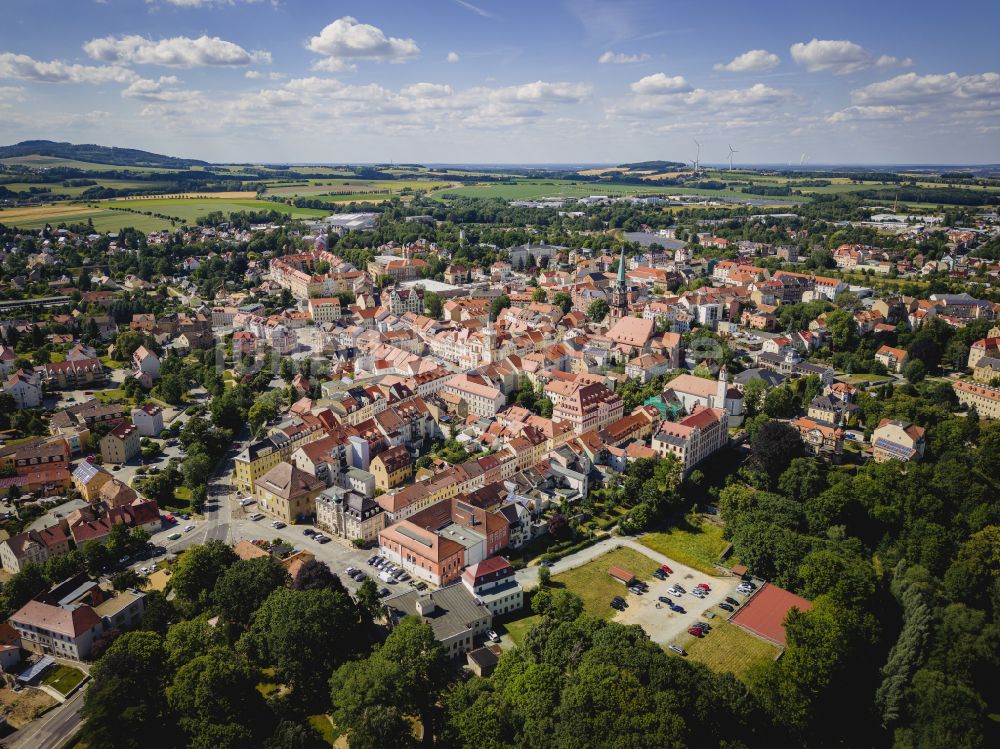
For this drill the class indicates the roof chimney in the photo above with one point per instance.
(425, 605)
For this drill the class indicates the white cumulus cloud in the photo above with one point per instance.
(840, 57)
(24, 67)
(146, 89)
(754, 61)
(453, 57)
(176, 52)
(620, 58)
(345, 39)
(661, 83)
(911, 88)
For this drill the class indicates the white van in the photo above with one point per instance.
(257, 516)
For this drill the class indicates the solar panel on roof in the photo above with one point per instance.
(893, 448)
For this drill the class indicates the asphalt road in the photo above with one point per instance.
(53, 729)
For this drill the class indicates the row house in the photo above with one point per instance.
(73, 375)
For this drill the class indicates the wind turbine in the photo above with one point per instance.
(731, 152)
(697, 158)
(802, 160)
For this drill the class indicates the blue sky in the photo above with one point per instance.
(491, 81)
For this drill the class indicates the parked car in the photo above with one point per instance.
(278, 524)
(677, 649)
(173, 536)
(308, 532)
(185, 516)
(703, 586)
(493, 635)
(703, 626)
(618, 606)
(675, 592)
(726, 607)
(371, 560)
(322, 539)
(732, 601)
(698, 593)
(635, 589)
(383, 592)
(695, 632)
(350, 570)
(664, 599)
(188, 528)
(678, 609)
(247, 501)
(421, 585)
(660, 575)
(144, 570)
(666, 569)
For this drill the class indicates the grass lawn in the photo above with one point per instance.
(596, 587)
(324, 726)
(63, 678)
(106, 396)
(727, 648)
(697, 546)
(518, 628)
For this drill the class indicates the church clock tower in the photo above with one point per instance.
(619, 292)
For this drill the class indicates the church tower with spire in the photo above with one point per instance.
(619, 292)
(489, 336)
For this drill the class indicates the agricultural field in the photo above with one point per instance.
(343, 189)
(536, 189)
(728, 648)
(112, 215)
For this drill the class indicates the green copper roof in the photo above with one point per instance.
(621, 268)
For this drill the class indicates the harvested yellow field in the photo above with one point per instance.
(54, 211)
(599, 172)
(665, 175)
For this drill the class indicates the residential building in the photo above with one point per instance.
(391, 467)
(287, 493)
(820, 438)
(73, 375)
(121, 444)
(897, 440)
(261, 456)
(346, 514)
(325, 310)
(34, 546)
(985, 399)
(481, 398)
(88, 480)
(422, 553)
(148, 419)
(590, 406)
(894, 359)
(989, 346)
(493, 583)
(69, 618)
(987, 370)
(146, 362)
(693, 438)
(453, 613)
(25, 388)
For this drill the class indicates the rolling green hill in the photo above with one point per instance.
(96, 154)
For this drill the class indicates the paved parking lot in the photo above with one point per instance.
(662, 624)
